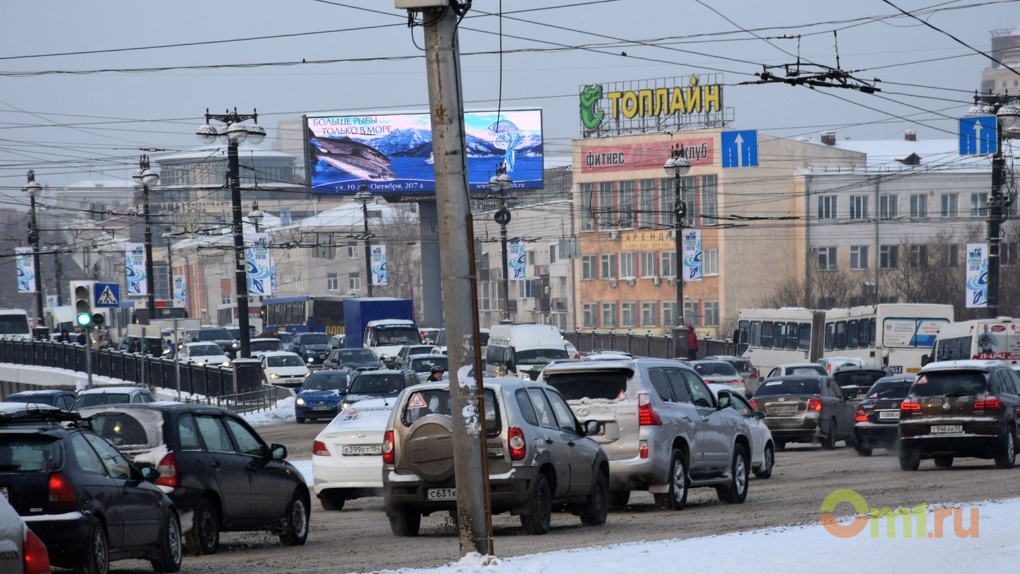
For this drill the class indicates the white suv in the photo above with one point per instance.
(662, 428)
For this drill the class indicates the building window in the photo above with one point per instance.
(710, 197)
(919, 206)
(646, 204)
(826, 258)
(324, 248)
(332, 282)
(887, 207)
(711, 318)
(950, 205)
(225, 298)
(648, 264)
(668, 264)
(352, 249)
(668, 198)
(888, 257)
(950, 256)
(669, 317)
(979, 205)
(1008, 253)
(858, 207)
(585, 190)
(919, 256)
(628, 314)
(627, 266)
(587, 267)
(827, 207)
(649, 314)
(606, 208)
(608, 314)
(711, 262)
(691, 313)
(354, 281)
(608, 266)
(858, 257)
(626, 213)
(589, 310)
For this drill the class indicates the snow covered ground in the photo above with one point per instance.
(989, 546)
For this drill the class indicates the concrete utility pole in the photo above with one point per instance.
(442, 57)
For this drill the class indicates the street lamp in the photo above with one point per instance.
(234, 134)
(1006, 110)
(167, 236)
(146, 177)
(500, 183)
(33, 189)
(365, 196)
(678, 166)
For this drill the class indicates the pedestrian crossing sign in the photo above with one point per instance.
(107, 295)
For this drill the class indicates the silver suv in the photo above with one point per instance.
(662, 428)
(538, 456)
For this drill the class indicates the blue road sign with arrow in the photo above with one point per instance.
(739, 148)
(979, 135)
(107, 295)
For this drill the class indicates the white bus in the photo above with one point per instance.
(14, 323)
(893, 335)
(995, 339)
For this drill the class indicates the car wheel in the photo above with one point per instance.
(204, 536)
(332, 499)
(97, 557)
(619, 498)
(768, 461)
(943, 461)
(405, 522)
(1007, 455)
(170, 553)
(910, 458)
(295, 527)
(300, 420)
(538, 517)
(862, 450)
(736, 491)
(829, 440)
(676, 497)
(596, 508)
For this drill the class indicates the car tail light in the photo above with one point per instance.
(910, 406)
(319, 448)
(859, 415)
(754, 374)
(737, 382)
(814, 405)
(754, 404)
(61, 494)
(388, 453)
(167, 469)
(515, 440)
(645, 413)
(37, 561)
(643, 449)
(990, 404)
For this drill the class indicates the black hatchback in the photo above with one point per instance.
(86, 502)
(877, 417)
(215, 466)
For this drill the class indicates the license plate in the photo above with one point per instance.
(946, 429)
(3, 490)
(361, 449)
(331, 408)
(781, 410)
(889, 415)
(441, 494)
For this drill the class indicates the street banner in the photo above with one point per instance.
(134, 265)
(692, 255)
(258, 265)
(517, 257)
(26, 270)
(379, 275)
(180, 291)
(977, 275)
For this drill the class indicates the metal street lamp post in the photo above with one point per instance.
(500, 183)
(33, 189)
(678, 166)
(146, 177)
(234, 135)
(255, 216)
(364, 196)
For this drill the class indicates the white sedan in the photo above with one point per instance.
(347, 454)
(763, 449)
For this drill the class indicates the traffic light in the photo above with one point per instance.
(82, 292)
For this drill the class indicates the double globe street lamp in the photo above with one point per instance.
(33, 189)
(678, 165)
(501, 183)
(147, 178)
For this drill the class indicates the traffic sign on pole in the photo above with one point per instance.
(739, 148)
(107, 295)
(979, 135)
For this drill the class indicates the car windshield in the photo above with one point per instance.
(93, 399)
(285, 361)
(540, 356)
(397, 335)
(204, 350)
(213, 335)
(29, 399)
(608, 385)
(136, 430)
(30, 453)
(326, 382)
(949, 384)
(285, 337)
(356, 355)
(377, 384)
(418, 349)
(425, 364)
(716, 368)
(235, 332)
(789, 387)
(266, 345)
(806, 370)
(315, 339)
(890, 389)
(857, 378)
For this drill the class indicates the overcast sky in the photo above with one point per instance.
(85, 86)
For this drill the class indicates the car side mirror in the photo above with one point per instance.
(278, 452)
(725, 400)
(591, 428)
(149, 473)
(760, 415)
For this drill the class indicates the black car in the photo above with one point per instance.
(215, 467)
(218, 335)
(877, 416)
(855, 380)
(805, 408)
(54, 398)
(311, 347)
(86, 502)
(353, 359)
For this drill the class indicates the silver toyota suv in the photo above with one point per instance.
(538, 456)
(662, 428)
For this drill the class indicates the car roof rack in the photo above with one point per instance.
(33, 413)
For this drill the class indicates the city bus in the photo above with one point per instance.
(317, 313)
(892, 335)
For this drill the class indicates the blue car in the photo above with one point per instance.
(54, 398)
(321, 394)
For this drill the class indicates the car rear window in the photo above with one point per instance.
(606, 385)
(100, 399)
(789, 387)
(949, 384)
(377, 384)
(857, 378)
(30, 453)
(322, 339)
(437, 401)
(890, 389)
(130, 431)
(715, 368)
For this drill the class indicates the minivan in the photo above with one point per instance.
(523, 350)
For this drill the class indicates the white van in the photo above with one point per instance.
(523, 350)
(995, 339)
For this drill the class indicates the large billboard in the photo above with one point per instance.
(392, 153)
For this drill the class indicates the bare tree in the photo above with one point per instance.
(832, 288)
